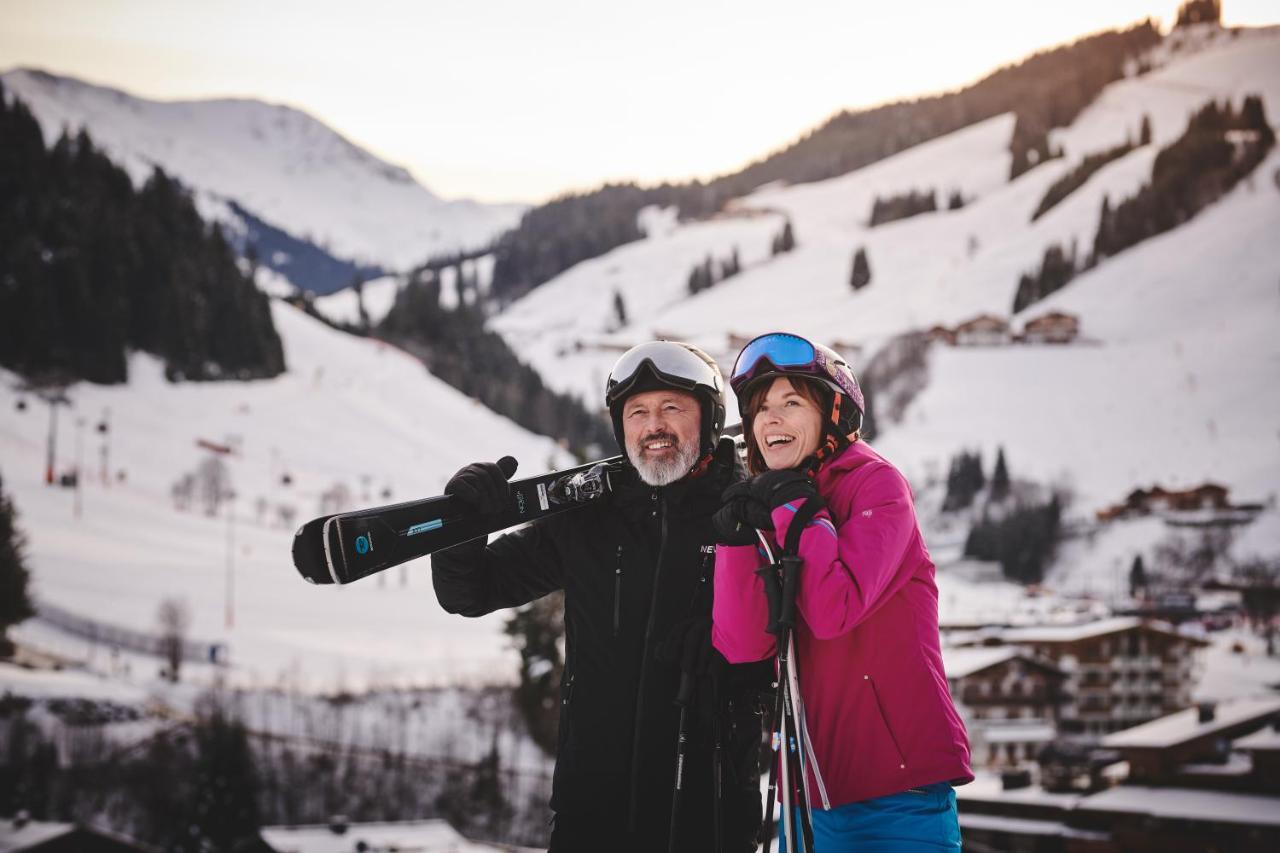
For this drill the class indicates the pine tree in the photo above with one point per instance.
(223, 809)
(619, 308)
(785, 241)
(1137, 577)
(861, 275)
(1000, 478)
(15, 601)
(358, 286)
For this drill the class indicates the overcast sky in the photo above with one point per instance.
(523, 99)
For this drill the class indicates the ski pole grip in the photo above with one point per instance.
(684, 695)
(787, 602)
(507, 465)
(773, 595)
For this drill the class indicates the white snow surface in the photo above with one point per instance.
(278, 162)
(349, 411)
(422, 835)
(379, 295)
(1173, 380)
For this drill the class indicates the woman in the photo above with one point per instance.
(887, 739)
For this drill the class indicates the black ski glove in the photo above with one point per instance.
(483, 486)
(775, 488)
(741, 516)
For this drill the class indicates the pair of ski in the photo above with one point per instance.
(344, 547)
(347, 546)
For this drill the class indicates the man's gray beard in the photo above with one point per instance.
(663, 472)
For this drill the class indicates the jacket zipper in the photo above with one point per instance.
(617, 594)
(644, 669)
(902, 759)
(704, 577)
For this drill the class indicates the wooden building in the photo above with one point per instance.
(1056, 327)
(1196, 747)
(1009, 700)
(1119, 672)
(983, 330)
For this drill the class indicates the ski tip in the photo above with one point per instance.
(308, 553)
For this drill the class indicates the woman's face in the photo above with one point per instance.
(787, 426)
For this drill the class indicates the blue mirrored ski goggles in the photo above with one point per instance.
(781, 350)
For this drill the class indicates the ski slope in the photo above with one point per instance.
(1173, 380)
(281, 164)
(348, 411)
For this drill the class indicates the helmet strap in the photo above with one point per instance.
(702, 466)
(833, 442)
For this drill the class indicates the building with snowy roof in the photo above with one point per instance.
(1120, 672)
(1199, 779)
(19, 834)
(1213, 745)
(1009, 700)
(983, 330)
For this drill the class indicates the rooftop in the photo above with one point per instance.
(1264, 739)
(965, 661)
(1187, 804)
(1185, 725)
(400, 835)
(1099, 628)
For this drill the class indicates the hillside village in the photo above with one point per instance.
(1081, 397)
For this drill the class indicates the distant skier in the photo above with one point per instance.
(636, 569)
(887, 739)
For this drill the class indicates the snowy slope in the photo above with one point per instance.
(1173, 382)
(348, 409)
(277, 162)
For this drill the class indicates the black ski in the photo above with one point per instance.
(347, 546)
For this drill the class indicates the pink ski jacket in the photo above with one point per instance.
(867, 651)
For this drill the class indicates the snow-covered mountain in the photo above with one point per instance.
(276, 162)
(1172, 381)
(350, 414)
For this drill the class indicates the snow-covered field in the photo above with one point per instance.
(1173, 380)
(348, 411)
(281, 164)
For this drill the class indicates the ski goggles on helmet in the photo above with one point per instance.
(783, 354)
(670, 364)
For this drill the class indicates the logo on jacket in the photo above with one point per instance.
(866, 513)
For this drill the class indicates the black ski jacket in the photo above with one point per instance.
(632, 566)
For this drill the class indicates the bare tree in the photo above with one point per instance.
(335, 499)
(183, 490)
(174, 619)
(213, 483)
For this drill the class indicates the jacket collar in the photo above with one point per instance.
(854, 456)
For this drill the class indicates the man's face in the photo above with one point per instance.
(661, 430)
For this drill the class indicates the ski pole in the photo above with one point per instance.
(683, 695)
(781, 595)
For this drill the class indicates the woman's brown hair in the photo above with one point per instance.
(816, 393)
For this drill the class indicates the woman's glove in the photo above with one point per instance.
(772, 489)
(741, 516)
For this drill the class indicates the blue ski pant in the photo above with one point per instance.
(920, 820)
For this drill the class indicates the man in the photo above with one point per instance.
(636, 569)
